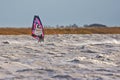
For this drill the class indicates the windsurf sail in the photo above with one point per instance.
(37, 29)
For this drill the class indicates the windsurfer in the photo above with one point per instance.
(37, 29)
(40, 38)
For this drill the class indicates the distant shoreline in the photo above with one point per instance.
(93, 30)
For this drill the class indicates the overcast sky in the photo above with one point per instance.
(19, 13)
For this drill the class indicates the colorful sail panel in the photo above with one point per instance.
(37, 29)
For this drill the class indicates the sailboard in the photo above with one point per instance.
(37, 29)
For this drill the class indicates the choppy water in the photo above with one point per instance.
(60, 57)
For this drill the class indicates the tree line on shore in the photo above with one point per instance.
(76, 26)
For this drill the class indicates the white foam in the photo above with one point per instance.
(113, 41)
(60, 54)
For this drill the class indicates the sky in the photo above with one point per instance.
(20, 13)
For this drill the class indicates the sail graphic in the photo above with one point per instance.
(37, 29)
